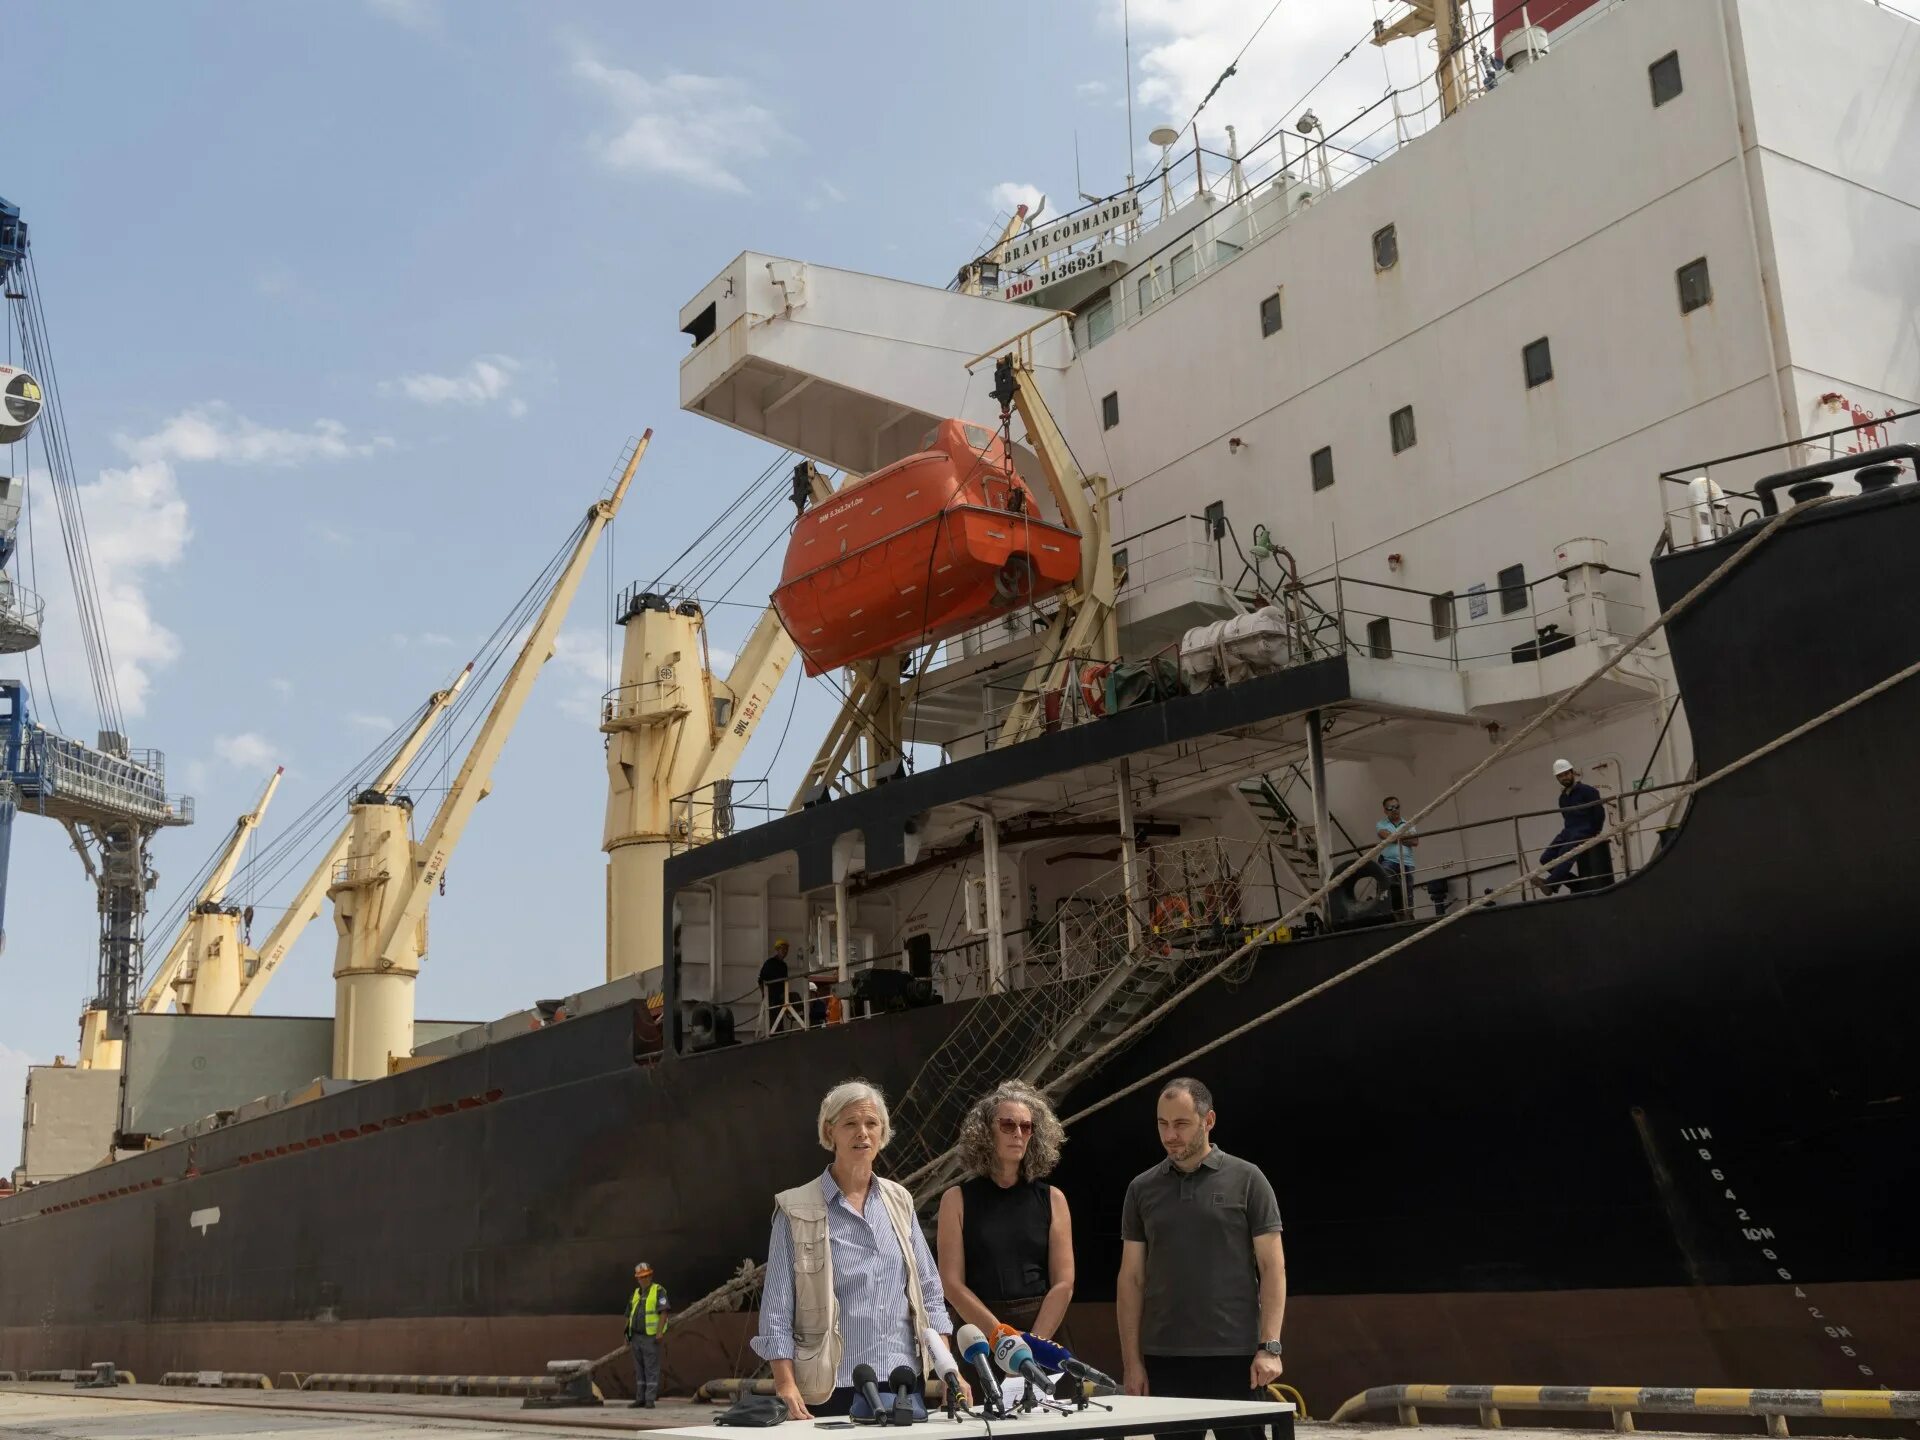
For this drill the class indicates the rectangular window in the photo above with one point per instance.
(1513, 588)
(1537, 360)
(1270, 315)
(1664, 76)
(1696, 286)
(1386, 248)
(1400, 426)
(1099, 322)
(1380, 638)
(1184, 266)
(1322, 462)
(1223, 251)
(1110, 410)
(1442, 607)
(1143, 292)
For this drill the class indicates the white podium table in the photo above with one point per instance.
(1129, 1415)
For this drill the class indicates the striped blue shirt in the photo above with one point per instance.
(869, 1282)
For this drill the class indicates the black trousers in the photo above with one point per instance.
(1204, 1377)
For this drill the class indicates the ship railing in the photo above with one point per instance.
(1078, 698)
(1469, 859)
(21, 613)
(716, 810)
(1200, 209)
(642, 702)
(132, 785)
(1517, 622)
(1707, 500)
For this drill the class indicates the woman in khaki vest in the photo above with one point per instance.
(850, 1280)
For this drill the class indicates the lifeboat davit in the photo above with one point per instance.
(919, 551)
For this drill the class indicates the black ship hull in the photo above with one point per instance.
(1659, 1134)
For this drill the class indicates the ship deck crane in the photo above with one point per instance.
(383, 883)
(674, 733)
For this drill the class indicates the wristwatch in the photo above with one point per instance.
(1270, 1347)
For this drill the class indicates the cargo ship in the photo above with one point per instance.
(1361, 447)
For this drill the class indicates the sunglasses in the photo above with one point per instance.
(1016, 1127)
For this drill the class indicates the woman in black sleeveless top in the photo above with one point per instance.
(1006, 1237)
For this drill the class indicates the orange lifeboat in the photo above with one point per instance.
(919, 551)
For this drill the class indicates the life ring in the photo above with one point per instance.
(1164, 910)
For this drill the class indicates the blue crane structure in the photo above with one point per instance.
(111, 798)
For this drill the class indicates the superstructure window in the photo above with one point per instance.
(1442, 609)
(1513, 589)
(1696, 286)
(1537, 360)
(1110, 410)
(1380, 638)
(1144, 292)
(1270, 315)
(1099, 322)
(1664, 76)
(1400, 427)
(1322, 462)
(1184, 266)
(1386, 248)
(1224, 250)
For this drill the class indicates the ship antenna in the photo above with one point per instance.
(1126, 41)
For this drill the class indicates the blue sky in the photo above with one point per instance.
(356, 302)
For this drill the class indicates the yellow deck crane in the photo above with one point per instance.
(305, 906)
(674, 733)
(209, 941)
(381, 887)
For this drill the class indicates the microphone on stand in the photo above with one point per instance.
(1097, 1381)
(1012, 1354)
(866, 1382)
(1046, 1354)
(973, 1348)
(903, 1381)
(943, 1367)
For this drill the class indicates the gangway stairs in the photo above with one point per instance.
(1088, 981)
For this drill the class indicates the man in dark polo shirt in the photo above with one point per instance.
(1203, 1278)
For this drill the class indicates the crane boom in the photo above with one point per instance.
(402, 923)
(155, 994)
(307, 900)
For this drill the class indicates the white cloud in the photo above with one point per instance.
(213, 432)
(434, 637)
(13, 1086)
(282, 687)
(487, 379)
(425, 16)
(825, 193)
(245, 751)
(700, 129)
(1010, 195)
(1090, 89)
(379, 724)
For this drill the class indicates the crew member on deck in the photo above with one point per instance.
(1397, 858)
(1006, 1237)
(1200, 1233)
(773, 982)
(646, 1323)
(1583, 814)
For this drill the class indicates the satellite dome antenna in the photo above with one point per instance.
(1166, 137)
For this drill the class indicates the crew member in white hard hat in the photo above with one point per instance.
(646, 1323)
(1583, 814)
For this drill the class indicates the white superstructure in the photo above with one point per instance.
(1445, 381)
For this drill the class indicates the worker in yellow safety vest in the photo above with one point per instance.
(646, 1323)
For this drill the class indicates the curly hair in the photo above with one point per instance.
(1043, 1148)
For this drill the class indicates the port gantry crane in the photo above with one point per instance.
(110, 797)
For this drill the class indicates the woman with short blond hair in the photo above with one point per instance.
(1006, 1235)
(849, 1278)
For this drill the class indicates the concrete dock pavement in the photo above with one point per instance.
(157, 1412)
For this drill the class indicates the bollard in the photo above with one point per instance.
(572, 1387)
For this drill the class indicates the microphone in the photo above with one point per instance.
(1046, 1354)
(1098, 1381)
(866, 1383)
(903, 1382)
(1011, 1353)
(973, 1346)
(943, 1367)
